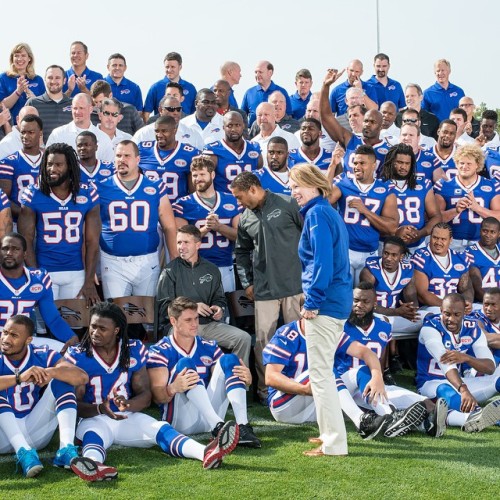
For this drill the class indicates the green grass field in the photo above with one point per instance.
(458, 465)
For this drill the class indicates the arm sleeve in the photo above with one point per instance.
(481, 349)
(434, 344)
(52, 318)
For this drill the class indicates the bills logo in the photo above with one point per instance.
(67, 313)
(286, 126)
(125, 91)
(207, 278)
(180, 163)
(132, 309)
(274, 214)
(67, 108)
(36, 288)
(391, 87)
(185, 92)
(216, 129)
(453, 94)
(150, 190)
(81, 200)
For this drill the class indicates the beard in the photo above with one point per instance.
(362, 322)
(60, 181)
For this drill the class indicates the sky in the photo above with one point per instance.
(293, 34)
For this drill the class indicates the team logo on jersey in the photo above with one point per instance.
(216, 129)
(131, 309)
(383, 151)
(379, 190)
(105, 171)
(459, 267)
(150, 190)
(458, 191)
(419, 188)
(133, 362)
(67, 313)
(228, 206)
(253, 154)
(207, 278)
(125, 91)
(383, 336)
(486, 189)
(274, 214)
(185, 92)
(180, 163)
(426, 164)
(81, 200)
(391, 87)
(405, 281)
(67, 108)
(286, 126)
(453, 94)
(36, 288)
(206, 360)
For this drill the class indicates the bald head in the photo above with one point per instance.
(263, 73)
(233, 116)
(26, 110)
(230, 71)
(266, 117)
(389, 112)
(354, 71)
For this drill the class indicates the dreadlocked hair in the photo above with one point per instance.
(73, 168)
(115, 314)
(389, 170)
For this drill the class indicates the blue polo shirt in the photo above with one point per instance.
(90, 78)
(299, 105)
(391, 92)
(157, 92)
(337, 97)
(255, 95)
(8, 85)
(441, 101)
(126, 91)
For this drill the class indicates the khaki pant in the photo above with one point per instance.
(266, 319)
(323, 334)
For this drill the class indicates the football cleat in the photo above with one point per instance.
(372, 424)
(224, 443)
(435, 423)
(64, 456)
(388, 378)
(483, 417)
(404, 420)
(395, 365)
(247, 437)
(215, 431)
(29, 461)
(90, 470)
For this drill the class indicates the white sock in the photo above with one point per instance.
(456, 418)
(238, 399)
(349, 407)
(193, 449)
(382, 409)
(12, 430)
(67, 425)
(199, 397)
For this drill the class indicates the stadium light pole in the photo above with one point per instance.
(378, 26)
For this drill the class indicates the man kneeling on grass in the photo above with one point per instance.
(117, 391)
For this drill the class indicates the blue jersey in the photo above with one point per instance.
(21, 171)
(375, 337)
(467, 224)
(126, 91)
(488, 267)
(287, 347)
(411, 205)
(166, 353)
(130, 217)
(489, 327)
(428, 367)
(102, 170)
(21, 295)
(107, 380)
(492, 163)
(442, 280)
(215, 247)
(230, 163)
(172, 167)
(59, 226)
(322, 161)
(90, 78)
(270, 180)
(363, 237)
(381, 149)
(23, 398)
(448, 165)
(427, 162)
(389, 290)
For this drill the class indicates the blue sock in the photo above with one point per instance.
(363, 377)
(64, 395)
(227, 363)
(170, 441)
(93, 446)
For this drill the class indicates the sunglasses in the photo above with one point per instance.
(173, 109)
(409, 120)
(109, 113)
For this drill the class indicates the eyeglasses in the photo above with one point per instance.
(116, 114)
(173, 109)
(410, 120)
(464, 105)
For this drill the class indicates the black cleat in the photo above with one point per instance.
(395, 365)
(372, 424)
(247, 437)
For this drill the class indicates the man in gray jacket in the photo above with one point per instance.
(270, 227)
(192, 276)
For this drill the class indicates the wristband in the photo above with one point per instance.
(18, 377)
(98, 407)
(463, 384)
(18, 94)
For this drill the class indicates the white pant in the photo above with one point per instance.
(482, 388)
(38, 426)
(183, 414)
(357, 261)
(138, 430)
(124, 276)
(67, 284)
(460, 245)
(293, 408)
(323, 335)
